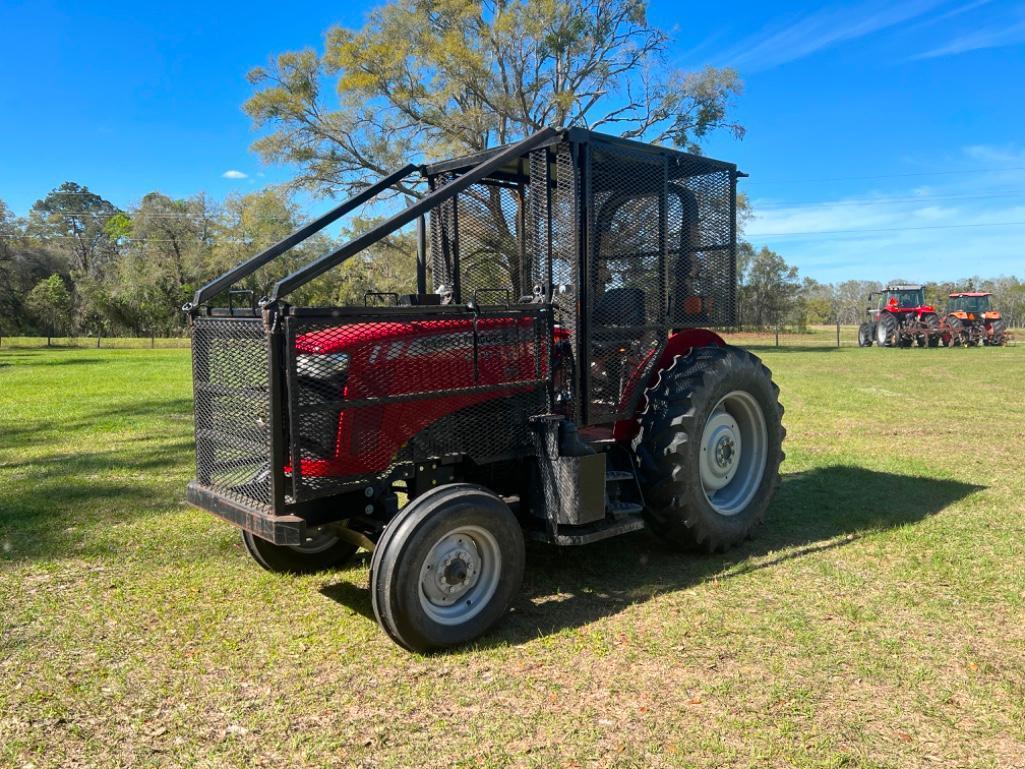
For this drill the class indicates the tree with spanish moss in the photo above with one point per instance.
(426, 79)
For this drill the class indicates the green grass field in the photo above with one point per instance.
(877, 619)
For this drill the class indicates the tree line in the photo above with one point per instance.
(419, 81)
(79, 265)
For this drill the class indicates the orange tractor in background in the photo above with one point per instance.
(971, 320)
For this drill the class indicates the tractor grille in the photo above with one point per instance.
(371, 391)
(230, 370)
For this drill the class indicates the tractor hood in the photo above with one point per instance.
(354, 335)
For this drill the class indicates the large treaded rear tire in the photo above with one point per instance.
(955, 328)
(932, 320)
(678, 409)
(886, 330)
(997, 329)
(865, 333)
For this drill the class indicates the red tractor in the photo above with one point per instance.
(900, 319)
(549, 377)
(971, 320)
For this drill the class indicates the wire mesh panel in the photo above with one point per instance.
(231, 381)
(661, 256)
(478, 243)
(627, 272)
(701, 243)
(369, 392)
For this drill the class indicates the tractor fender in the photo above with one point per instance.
(646, 374)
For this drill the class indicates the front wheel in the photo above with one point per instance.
(446, 568)
(322, 550)
(710, 447)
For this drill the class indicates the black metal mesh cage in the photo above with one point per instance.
(662, 256)
(482, 231)
(367, 393)
(231, 382)
(652, 228)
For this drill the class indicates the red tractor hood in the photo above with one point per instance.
(345, 338)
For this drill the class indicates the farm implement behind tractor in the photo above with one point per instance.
(900, 319)
(971, 321)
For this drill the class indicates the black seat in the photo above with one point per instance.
(620, 307)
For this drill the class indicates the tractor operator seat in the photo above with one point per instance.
(620, 307)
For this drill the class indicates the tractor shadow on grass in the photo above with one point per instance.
(814, 511)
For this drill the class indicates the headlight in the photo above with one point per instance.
(330, 366)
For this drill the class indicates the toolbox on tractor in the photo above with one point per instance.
(549, 376)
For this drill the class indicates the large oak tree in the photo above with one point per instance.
(424, 79)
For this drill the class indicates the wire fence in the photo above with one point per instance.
(828, 336)
(819, 336)
(102, 343)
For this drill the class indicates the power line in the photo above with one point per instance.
(874, 201)
(755, 180)
(882, 229)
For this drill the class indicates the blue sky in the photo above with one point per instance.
(884, 139)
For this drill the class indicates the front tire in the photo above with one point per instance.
(710, 447)
(446, 568)
(323, 550)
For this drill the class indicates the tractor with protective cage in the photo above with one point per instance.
(550, 376)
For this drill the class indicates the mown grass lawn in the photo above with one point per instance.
(877, 620)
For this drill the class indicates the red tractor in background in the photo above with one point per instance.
(971, 320)
(900, 319)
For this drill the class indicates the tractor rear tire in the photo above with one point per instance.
(886, 330)
(321, 552)
(865, 335)
(933, 322)
(446, 568)
(956, 330)
(997, 330)
(710, 447)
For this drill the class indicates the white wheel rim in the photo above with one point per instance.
(460, 575)
(734, 452)
(317, 541)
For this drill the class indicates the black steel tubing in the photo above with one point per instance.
(318, 267)
(250, 266)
